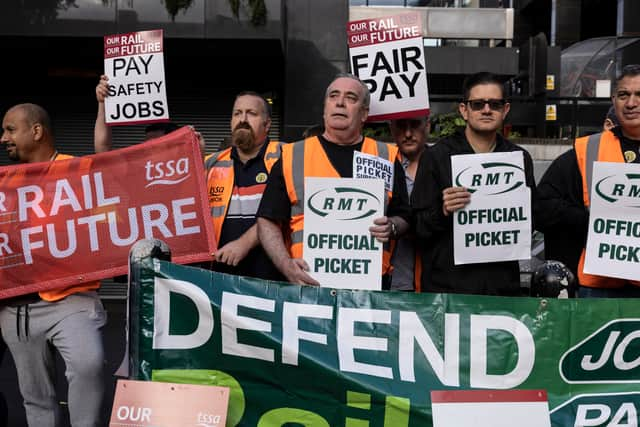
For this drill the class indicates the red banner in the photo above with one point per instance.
(73, 221)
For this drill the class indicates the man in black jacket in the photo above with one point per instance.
(435, 199)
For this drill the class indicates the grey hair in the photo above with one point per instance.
(365, 89)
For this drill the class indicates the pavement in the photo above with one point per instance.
(114, 336)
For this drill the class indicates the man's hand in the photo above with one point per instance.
(381, 229)
(454, 198)
(296, 272)
(232, 253)
(102, 89)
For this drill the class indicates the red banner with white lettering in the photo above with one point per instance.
(73, 221)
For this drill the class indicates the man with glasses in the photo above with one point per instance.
(435, 199)
(563, 193)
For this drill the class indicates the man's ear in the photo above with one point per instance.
(38, 131)
(462, 108)
(507, 108)
(365, 115)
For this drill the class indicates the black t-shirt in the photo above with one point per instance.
(630, 147)
(275, 203)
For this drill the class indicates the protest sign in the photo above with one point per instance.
(490, 408)
(134, 63)
(613, 248)
(340, 250)
(388, 55)
(156, 404)
(73, 221)
(331, 357)
(370, 166)
(496, 224)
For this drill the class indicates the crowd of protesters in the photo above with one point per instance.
(256, 192)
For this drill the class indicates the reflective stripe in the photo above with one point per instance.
(383, 150)
(224, 164)
(217, 211)
(593, 148)
(297, 169)
(275, 154)
(296, 237)
(211, 160)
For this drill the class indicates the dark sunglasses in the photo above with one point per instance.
(494, 104)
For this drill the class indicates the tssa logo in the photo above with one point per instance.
(344, 203)
(622, 189)
(609, 355)
(491, 178)
(166, 173)
(208, 420)
(602, 410)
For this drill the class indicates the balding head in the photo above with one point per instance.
(27, 133)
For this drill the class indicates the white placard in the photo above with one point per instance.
(338, 246)
(370, 166)
(613, 241)
(388, 55)
(134, 63)
(490, 408)
(496, 224)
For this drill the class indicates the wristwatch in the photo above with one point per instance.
(394, 230)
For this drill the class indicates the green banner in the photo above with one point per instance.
(316, 357)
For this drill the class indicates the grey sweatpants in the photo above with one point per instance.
(73, 325)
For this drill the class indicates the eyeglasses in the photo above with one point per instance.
(494, 104)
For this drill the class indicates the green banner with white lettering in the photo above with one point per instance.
(310, 356)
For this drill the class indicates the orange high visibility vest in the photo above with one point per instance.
(308, 159)
(220, 180)
(58, 294)
(601, 147)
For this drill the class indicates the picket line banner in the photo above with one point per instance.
(134, 63)
(155, 404)
(388, 55)
(496, 224)
(73, 221)
(340, 250)
(613, 240)
(333, 357)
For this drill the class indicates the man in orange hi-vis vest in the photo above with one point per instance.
(236, 179)
(564, 191)
(69, 319)
(346, 107)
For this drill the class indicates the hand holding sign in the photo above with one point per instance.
(454, 198)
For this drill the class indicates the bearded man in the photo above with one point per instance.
(236, 179)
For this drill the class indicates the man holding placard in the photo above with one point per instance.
(485, 208)
(337, 153)
(602, 198)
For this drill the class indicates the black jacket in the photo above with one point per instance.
(562, 216)
(435, 230)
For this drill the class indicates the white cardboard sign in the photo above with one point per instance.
(134, 63)
(388, 55)
(338, 246)
(490, 408)
(496, 224)
(613, 241)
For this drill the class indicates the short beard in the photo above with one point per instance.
(243, 137)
